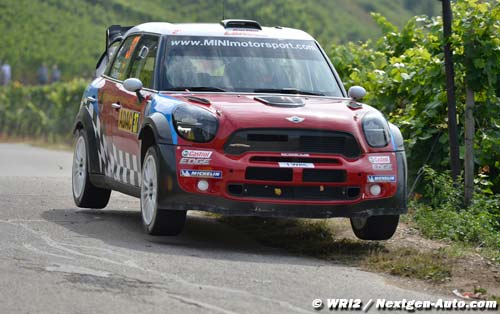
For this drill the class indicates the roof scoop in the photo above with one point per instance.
(281, 101)
(241, 24)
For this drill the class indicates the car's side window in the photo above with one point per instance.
(144, 59)
(122, 60)
(104, 64)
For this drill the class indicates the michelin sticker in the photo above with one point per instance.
(381, 178)
(383, 167)
(196, 153)
(201, 173)
(379, 159)
(296, 165)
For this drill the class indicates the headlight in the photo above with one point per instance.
(376, 130)
(195, 124)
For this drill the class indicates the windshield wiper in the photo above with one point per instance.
(198, 89)
(287, 91)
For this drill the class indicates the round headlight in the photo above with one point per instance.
(195, 124)
(376, 130)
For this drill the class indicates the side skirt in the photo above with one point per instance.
(104, 182)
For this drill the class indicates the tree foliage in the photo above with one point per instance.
(71, 32)
(403, 72)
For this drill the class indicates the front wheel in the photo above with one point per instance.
(85, 193)
(157, 221)
(375, 227)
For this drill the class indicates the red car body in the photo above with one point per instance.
(238, 152)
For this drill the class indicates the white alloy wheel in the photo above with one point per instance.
(149, 190)
(79, 176)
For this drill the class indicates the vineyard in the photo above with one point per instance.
(40, 112)
(70, 33)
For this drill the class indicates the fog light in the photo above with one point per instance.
(202, 185)
(375, 189)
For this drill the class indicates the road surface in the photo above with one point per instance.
(56, 258)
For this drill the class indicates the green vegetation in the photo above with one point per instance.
(439, 214)
(403, 72)
(40, 112)
(71, 32)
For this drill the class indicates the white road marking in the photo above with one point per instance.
(131, 264)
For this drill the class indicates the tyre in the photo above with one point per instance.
(375, 227)
(85, 194)
(157, 221)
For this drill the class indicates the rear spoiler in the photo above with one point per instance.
(113, 33)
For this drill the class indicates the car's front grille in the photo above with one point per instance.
(323, 175)
(274, 159)
(305, 193)
(292, 140)
(269, 174)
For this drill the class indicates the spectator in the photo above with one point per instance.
(55, 75)
(6, 74)
(43, 74)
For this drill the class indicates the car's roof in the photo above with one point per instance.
(218, 30)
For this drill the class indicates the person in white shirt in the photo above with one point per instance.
(6, 74)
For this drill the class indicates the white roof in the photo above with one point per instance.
(217, 30)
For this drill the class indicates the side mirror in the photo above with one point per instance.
(134, 85)
(356, 92)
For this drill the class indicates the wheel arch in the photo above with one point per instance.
(397, 138)
(84, 123)
(155, 129)
(399, 148)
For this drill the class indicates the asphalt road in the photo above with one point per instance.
(56, 258)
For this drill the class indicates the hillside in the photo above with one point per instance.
(71, 32)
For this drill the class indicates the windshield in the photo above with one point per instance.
(246, 65)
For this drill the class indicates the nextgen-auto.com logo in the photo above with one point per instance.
(403, 305)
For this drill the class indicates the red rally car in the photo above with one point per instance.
(237, 119)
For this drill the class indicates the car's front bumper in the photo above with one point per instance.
(279, 199)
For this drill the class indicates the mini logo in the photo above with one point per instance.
(295, 119)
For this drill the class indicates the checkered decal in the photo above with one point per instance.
(114, 163)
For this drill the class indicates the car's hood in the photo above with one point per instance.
(245, 111)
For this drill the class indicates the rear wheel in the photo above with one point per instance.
(375, 227)
(85, 193)
(157, 221)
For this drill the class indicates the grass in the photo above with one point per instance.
(317, 239)
(432, 266)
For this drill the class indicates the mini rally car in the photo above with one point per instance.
(237, 119)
